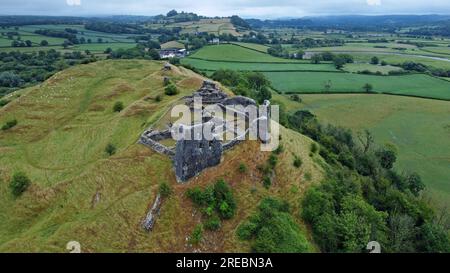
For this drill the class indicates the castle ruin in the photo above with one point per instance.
(191, 155)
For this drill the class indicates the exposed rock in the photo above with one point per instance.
(150, 219)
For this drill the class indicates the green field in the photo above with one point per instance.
(234, 53)
(357, 67)
(114, 41)
(313, 82)
(215, 65)
(257, 47)
(420, 128)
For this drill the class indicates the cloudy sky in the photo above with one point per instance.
(244, 8)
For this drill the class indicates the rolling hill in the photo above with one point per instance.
(78, 193)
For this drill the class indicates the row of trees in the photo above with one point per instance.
(363, 198)
(251, 84)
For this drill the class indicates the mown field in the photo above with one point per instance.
(419, 128)
(234, 53)
(314, 82)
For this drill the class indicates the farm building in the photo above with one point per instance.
(172, 53)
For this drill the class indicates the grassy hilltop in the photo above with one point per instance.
(79, 193)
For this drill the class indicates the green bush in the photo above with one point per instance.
(110, 149)
(158, 98)
(273, 160)
(217, 202)
(273, 230)
(197, 235)
(267, 182)
(298, 162)
(171, 90)
(9, 124)
(19, 184)
(165, 190)
(314, 148)
(213, 223)
(3, 102)
(118, 106)
(242, 168)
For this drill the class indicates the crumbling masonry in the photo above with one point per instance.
(191, 157)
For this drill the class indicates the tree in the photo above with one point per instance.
(387, 158)
(172, 13)
(108, 50)
(165, 190)
(28, 43)
(415, 184)
(316, 59)
(154, 54)
(19, 184)
(339, 62)
(110, 149)
(44, 43)
(118, 106)
(171, 90)
(327, 85)
(374, 60)
(368, 87)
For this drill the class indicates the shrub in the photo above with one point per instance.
(158, 98)
(3, 102)
(242, 168)
(19, 184)
(267, 182)
(279, 150)
(118, 106)
(165, 190)
(314, 148)
(273, 160)
(272, 229)
(197, 235)
(110, 149)
(213, 223)
(171, 90)
(297, 162)
(296, 98)
(9, 124)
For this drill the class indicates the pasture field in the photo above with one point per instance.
(356, 67)
(114, 41)
(420, 128)
(314, 82)
(257, 47)
(435, 62)
(234, 53)
(216, 65)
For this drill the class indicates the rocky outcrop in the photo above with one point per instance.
(150, 219)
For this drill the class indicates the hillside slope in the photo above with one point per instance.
(79, 193)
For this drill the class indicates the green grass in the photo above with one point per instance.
(215, 65)
(80, 193)
(234, 53)
(420, 129)
(356, 67)
(257, 47)
(413, 85)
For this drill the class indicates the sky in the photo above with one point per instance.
(269, 9)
